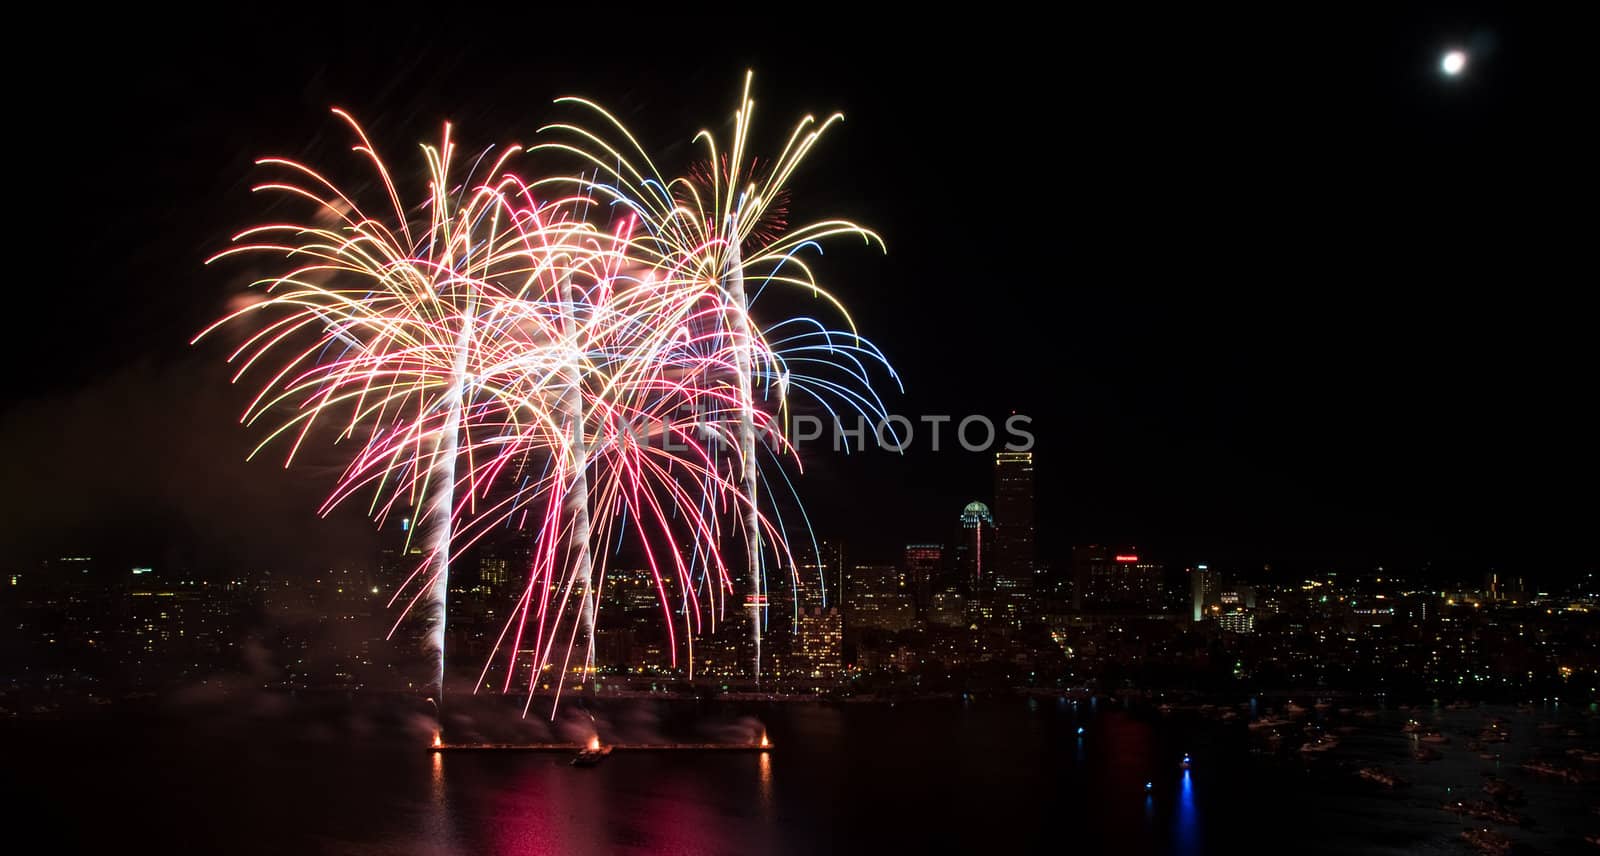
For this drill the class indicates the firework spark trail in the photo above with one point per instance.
(507, 339)
(715, 226)
(395, 315)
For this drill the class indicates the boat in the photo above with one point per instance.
(1269, 722)
(1486, 840)
(1435, 738)
(1382, 777)
(1425, 754)
(1545, 768)
(1585, 755)
(591, 755)
(1411, 727)
(1325, 743)
(1460, 705)
(1294, 709)
(1185, 763)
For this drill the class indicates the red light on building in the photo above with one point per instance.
(1127, 558)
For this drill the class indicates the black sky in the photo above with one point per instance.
(1271, 288)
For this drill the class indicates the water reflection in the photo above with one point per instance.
(766, 782)
(1186, 820)
(989, 778)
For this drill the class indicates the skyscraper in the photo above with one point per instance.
(821, 573)
(1203, 586)
(1117, 579)
(1013, 533)
(923, 566)
(1013, 514)
(815, 651)
(977, 540)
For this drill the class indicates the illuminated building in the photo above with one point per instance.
(1013, 534)
(876, 597)
(494, 573)
(1203, 585)
(923, 566)
(947, 608)
(977, 540)
(821, 573)
(726, 652)
(1235, 597)
(1498, 587)
(1115, 579)
(817, 645)
(1237, 621)
(632, 590)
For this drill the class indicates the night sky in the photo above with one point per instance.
(1271, 287)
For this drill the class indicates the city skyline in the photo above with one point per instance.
(882, 546)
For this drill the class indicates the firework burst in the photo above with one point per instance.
(576, 355)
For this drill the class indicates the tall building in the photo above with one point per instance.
(876, 597)
(817, 648)
(1203, 587)
(1013, 514)
(923, 566)
(1013, 535)
(1105, 578)
(494, 573)
(976, 545)
(821, 573)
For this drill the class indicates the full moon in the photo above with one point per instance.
(1453, 62)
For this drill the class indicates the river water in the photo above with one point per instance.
(992, 775)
